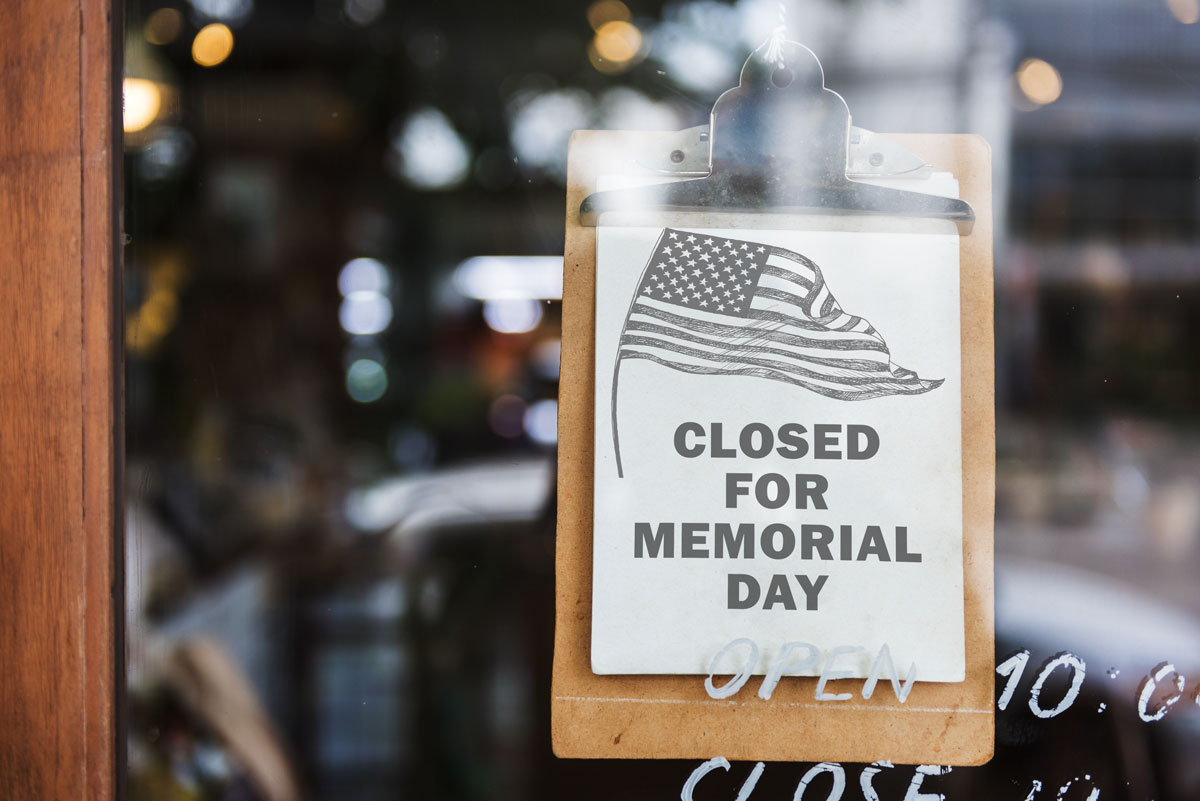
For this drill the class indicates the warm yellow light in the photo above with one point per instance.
(212, 45)
(1039, 80)
(607, 67)
(1186, 11)
(163, 26)
(617, 41)
(603, 11)
(142, 103)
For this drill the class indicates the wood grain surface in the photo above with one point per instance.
(60, 586)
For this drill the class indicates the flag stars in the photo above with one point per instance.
(704, 272)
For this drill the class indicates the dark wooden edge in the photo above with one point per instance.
(101, 61)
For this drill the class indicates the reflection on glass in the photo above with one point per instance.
(342, 410)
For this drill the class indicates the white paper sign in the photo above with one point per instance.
(778, 448)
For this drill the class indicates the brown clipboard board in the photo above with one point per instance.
(672, 717)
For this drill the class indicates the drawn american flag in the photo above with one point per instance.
(718, 306)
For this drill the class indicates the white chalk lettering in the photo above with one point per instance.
(1063, 659)
(1014, 668)
(885, 657)
(781, 663)
(1147, 688)
(740, 678)
(868, 774)
(839, 780)
(914, 787)
(699, 773)
(829, 674)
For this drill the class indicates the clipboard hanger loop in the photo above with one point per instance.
(779, 142)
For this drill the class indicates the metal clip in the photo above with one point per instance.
(781, 142)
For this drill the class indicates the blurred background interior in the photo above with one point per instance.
(343, 272)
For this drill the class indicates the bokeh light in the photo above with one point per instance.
(547, 359)
(366, 380)
(412, 447)
(625, 108)
(541, 422)
(1186, 11)
(165, 154)
(428, 153)
(510, 277)
(512, 316)
(605, 11)
(212, 45)
(143, 100)
(234, 12)
(694, 62)
(618, 40)
(615, 47)
(506, 416)
(163, 26)
(147, 324)
(1039, 81)
(364, 12)
(542, 123)
(363, 275)
(365, 312)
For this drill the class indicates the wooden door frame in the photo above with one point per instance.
(61, 407)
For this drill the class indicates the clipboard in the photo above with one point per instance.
(672, 717)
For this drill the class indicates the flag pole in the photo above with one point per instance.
(616, 437)
(621, 354)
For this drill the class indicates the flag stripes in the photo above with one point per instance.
(711, 306)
